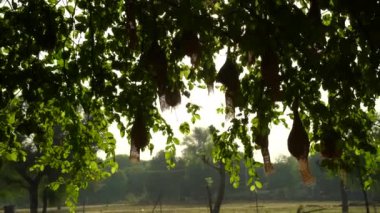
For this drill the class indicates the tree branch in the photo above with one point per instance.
(207, 162)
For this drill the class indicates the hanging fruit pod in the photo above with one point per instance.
(209, 78)
(172, 97)
(298, 146)
(261, 135)
(247, 45)
(230, 107)
(330, 142)
(155, 61)
(187, 43)
(248, 58)
(50, 33)
(177, 50)
(46, 34)
(263, 142)
(139, 136)
(228, 75)
(270, 74)
(307, 177)
(162, 99)
(191, 46)
(131, 24)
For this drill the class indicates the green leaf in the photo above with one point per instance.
(235, 185)
(276, 121)
(250, 180)
(155, 128)
(70, 9)
(41, 168)
(258, 184)
(80, 18)
(12, 156)
(11, 118)
(184, 128)
(176, 141)
(168, 155)
(114, 168)
(93, 165)
(55, 186)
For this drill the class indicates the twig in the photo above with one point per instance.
(10, 5)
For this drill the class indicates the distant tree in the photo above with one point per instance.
(127, 184)
(164, 183)
(13, 190)
(284, 182)
(23, 175)
(123, 162)
(360, 164)
(32, 179)
(199, 147)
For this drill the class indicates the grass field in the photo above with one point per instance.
(244, 207)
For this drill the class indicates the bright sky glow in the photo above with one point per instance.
(209, 116)
(208, 104)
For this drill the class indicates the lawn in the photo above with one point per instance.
(238, 207)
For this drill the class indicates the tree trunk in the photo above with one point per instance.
(45, 200)
(366, 200)
(209, 196)
(9, 209)
(158, 201)
(33, 196)
(344, 197)
(364, 192)
(222, 183)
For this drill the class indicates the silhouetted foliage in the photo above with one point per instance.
(122, 60)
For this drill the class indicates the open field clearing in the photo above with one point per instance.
(244, 207)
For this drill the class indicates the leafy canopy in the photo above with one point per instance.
(82, 65)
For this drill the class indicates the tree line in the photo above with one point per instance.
(151, 182)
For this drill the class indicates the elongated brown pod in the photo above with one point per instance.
(330, 142)
(230, 106)
(131, 23)
(270, 74)
(298, 146)
(172, 97)
(263, 142)
(154, 59)
(191, 46)
(139, 136)
(228, 75)
(187, 43)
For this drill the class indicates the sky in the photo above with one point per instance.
(208, 104)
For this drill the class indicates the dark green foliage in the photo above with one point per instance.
(62, 61)
(186, 183)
